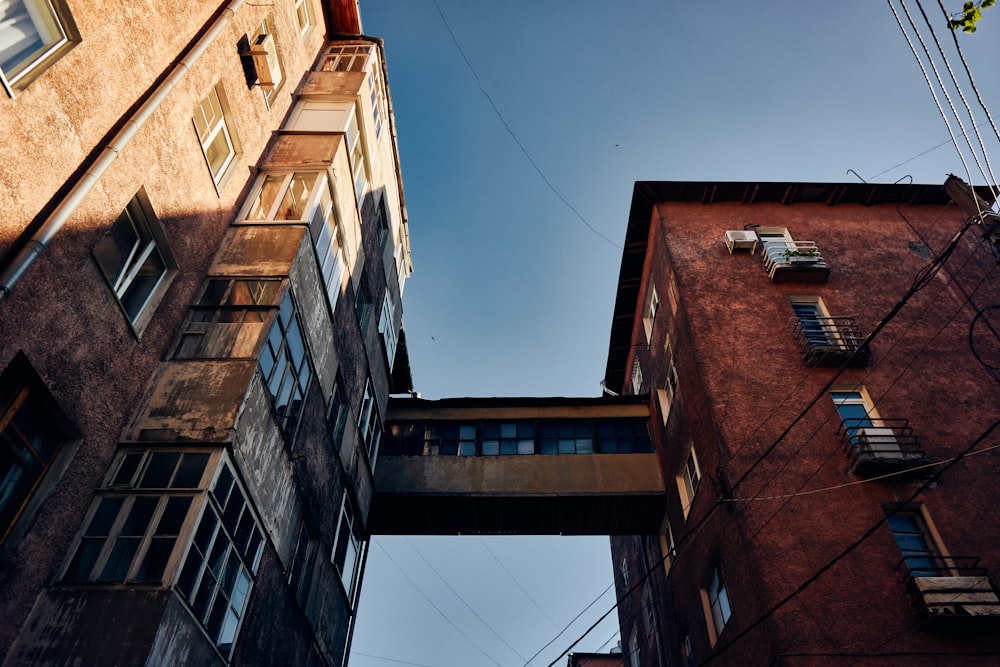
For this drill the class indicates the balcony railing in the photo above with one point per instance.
(877, 446)
(950, 593)
(794, 260)
(829, 341)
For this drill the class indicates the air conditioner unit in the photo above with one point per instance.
(741, 239)
(265, 61)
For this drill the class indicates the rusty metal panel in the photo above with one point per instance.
(313, 151)
(180, 641)
(334, 84)
(258, 250)
(194, 401)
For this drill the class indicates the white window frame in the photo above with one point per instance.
(688, 480)
(370, 424)
(348, 529)
(387, 328)
(305, 15)
(636, 376)
(667, 394)
(124, 267)
(649, 313)
(668, 548)
(35, 34)
(212, 120)
(318, 209)
(718, 609)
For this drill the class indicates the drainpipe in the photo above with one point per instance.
(14, 271)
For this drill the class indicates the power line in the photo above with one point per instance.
(513, 135)
(379, 657)
(436, 608)
(518, 583)
(462, 600)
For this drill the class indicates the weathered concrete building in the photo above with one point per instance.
(820, 362)
(203, 256)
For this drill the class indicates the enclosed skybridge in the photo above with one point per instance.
(531, 466)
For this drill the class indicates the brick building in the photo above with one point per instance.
(201, 265)
(814, 355)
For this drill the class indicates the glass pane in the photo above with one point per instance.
(242, 590)
(127, 469)
(266, 198)
(84, 559)
(206, 529)
(155, 561)
(138, 517)
(219, 152)
(491, 447)
(159, 470)
(190, 471)
(144, 283)
(120, 559)
(105, 516)
(173, 516)
(223, 486)
(116, 248)
(296, 197)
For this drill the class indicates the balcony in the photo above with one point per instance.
(794, 261)
(877, 446)
(951, 593)
(829, 341)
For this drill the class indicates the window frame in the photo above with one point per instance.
(820, 332)
(716, 603)
(667, 392)
(649, 314)
(124, 274)
(220, 123)
(938, 561)
(636, 380)
(281, 364)
(21, 389)
(688, 480)
(28, 66)
(305, 16)
(349, 535)
(229, 323)
(370, 427)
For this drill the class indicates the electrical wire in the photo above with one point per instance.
(436, 608)
(518, 583)
(513, 135)
(850, 548)
(568, 625)
(462, 600)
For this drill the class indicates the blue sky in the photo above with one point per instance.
(512, 294)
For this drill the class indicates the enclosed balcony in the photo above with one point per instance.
(950, 593)
(877, 446)
(829, 341)
(786, 260)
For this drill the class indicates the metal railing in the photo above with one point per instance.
(875, 445)
(829, 341)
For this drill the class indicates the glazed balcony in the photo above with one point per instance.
(878, 446)
(799, 261)
(950, 593)
(830, 341)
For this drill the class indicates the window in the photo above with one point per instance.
(667, 547)
(303, 561)
(622, 436)
(33, 433)
(450, 439)
(228, 320)
(649, 316)
(815, 325)
(377, 96)
(624, 570)
(504, 438)
(667, 394)
(855, 412)
(33, 35)
(916, 545)
(135, 260)
(284, 363)
(362, 304)
(305, 14)
(131, 537)
(565, 438)
(687, 652)
(633, 648)
(264, 50)
(388, 329)
(347, 58)
(688, 480)
(382, 223)
(218, 142)
(347, 549)
(338, 412)
(218, 573)
(357, 152)
(718, 604)
(305, 197)
(370, 424)
(636, 376)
